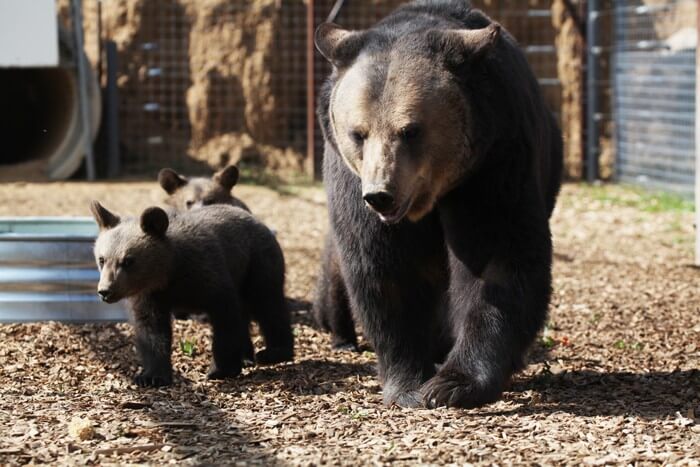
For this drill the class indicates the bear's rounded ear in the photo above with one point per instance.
(171, 181)
(468, 45)
(154, 222)
(105, 219)
(339, 46)
(227, 177)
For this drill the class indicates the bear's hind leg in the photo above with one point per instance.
(230, 340)
(264, 292)
(331, 308)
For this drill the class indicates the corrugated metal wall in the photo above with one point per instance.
(654, 94)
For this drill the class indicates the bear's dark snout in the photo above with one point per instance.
(106, 295)
(380, 201)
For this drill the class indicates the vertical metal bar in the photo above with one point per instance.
(311, 165)
(697, 147)
(616, 37)
(592, 52)
(81, 61)
(112, 111)
(99, 42)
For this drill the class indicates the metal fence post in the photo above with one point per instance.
(311, 165)
(592, 52)
(81, 62)
(697, 146)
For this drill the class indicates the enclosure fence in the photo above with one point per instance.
(642, 100)
(203, 84)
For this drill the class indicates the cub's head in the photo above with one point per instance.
(133, 255)
(189, 193)
(398, 113)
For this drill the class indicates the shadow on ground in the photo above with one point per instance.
(193, 423)
(188, 420)
(655, 394)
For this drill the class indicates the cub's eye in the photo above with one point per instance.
(357, 136)
(101, 261)
(189, 203)
(410, 132)
(127, 262)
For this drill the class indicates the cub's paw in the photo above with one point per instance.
(273, 355)
(450, 388)
(221, 373)
(146, 380)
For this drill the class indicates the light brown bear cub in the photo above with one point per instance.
(188, 193)
(219, 261)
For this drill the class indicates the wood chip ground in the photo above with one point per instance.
(614, 379)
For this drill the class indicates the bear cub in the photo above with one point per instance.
(188, 193)
(218, 260)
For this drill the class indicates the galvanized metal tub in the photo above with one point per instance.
(48, 272)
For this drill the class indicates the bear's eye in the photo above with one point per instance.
(101, 261)
(357, 136)
(127, 262)
(189, 203)
(410, 132)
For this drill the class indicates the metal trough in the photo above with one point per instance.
(48, 272)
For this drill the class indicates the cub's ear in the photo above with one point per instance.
(154, 222)
(105, 219)
(171, 181)
(339, 46)
(467, 45)
(227, 177)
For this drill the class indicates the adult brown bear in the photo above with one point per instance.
(442, 166)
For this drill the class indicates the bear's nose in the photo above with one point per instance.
(104, 294)
(380, 201)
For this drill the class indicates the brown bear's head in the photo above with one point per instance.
(195, 192)
(133, 255)
(398, 114)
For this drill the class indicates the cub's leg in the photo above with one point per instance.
(264, 291)
(153, 332)
(230, 338)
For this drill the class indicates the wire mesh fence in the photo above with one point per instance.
(203, 84)
(643, 113)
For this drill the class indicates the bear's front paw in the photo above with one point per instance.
(400, 393)
(451, 388)
(146, 380)
(406, 399)
(273, 355)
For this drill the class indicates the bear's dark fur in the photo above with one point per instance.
(188, 193)
(435, 119)
(331, 308)
(216, 260)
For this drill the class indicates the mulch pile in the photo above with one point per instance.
(614, 379)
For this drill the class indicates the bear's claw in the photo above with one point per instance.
(450, 388)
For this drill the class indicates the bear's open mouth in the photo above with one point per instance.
(397, 214)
